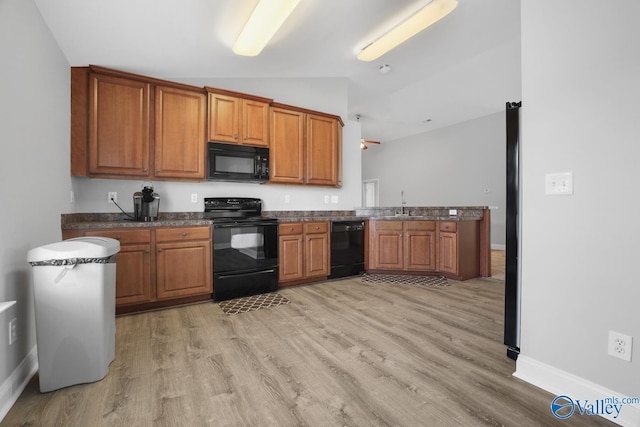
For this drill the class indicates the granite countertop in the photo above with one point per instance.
(87, 221)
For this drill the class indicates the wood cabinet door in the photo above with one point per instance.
(291, 256)
(321, 150)
(420, 250)
(183, 268)
(317, 255)
(119, 126)
(133, 264)
(133, 274)
(224, 118)
(255, 123)
(286, 146)
(180, 133)
(448, 253)
(385, 245)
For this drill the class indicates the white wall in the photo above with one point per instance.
(326, 95)
(580, 114)
(34, 165)
(450, 166)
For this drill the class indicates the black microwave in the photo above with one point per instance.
(239, 163)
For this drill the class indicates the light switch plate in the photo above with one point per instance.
(559, 184)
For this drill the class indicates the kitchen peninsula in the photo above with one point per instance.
(449, 241)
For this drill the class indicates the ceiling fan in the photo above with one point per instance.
(364, 142)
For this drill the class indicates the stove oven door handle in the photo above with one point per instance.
(243, 224)
(224, 276)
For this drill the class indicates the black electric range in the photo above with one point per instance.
(245, 247)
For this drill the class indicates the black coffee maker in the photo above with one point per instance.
(146, 204)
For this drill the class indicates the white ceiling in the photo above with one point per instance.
(463, 67)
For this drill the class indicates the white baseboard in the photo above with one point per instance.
(11, 389)
(559, 382)
(497, 247)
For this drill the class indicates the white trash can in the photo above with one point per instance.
(74, 286)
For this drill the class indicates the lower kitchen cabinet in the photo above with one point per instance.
(183, 262)
(451, 248)
(133, 272)
(304, 252)
(402, 245)
(459, 249)
(159, 266)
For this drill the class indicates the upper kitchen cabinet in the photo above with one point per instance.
(118, 126)
(286, 154)
(238, 118)
(322, 150)
(306, 147)
(129, 126)
(180, 132)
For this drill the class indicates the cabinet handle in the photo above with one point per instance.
(235, 136)
(146, 251)
(159, 250)
(246, 137)
(184, 234)
(290, 228)
(317, 228)
(144, 170)
(157, 170)
(118, 237)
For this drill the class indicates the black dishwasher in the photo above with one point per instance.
(347, 248)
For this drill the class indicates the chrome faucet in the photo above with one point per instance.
(403, 202)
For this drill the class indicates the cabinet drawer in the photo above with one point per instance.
(421, 225)
(290, 228)
(316, 227)
(388, 225)
(449, 226)
(182, 233)
(124, 236)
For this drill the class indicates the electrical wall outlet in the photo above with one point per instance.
(559, 184)
(13, 331)
(194, 197)
(112, 196)
(326, 199)
(620, 345)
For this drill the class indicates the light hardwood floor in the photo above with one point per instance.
(342, 353)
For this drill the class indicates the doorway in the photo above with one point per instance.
(370, 195)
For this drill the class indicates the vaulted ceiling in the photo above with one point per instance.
(463, 67)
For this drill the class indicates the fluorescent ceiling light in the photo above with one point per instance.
(431, 13)
(263, 23)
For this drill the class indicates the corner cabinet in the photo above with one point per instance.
(237, 118)
(303, 252)
(159, 267)
(306, 147)
(425, 247)
(129, 126)
(119, 126)
(459, 253)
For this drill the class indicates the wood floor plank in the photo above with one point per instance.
(341, 353)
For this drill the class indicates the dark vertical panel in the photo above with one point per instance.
(512, 287)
